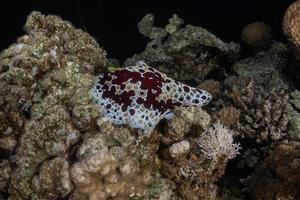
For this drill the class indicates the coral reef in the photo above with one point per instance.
(53, 180)
(293, 112)
(185, 121)
(5, 170)
(183, 52)
(102, 176)
(262, 117)
(277, 176)
(259, 92)
(46, 102)
(193, 173)
(55, 142)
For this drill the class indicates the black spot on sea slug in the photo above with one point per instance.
(186, 89)
(203, 97)
(132, 112)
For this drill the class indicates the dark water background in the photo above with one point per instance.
(113, 22)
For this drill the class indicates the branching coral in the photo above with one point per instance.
(259, 92)
(262, 115)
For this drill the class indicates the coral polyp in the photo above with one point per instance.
(141, 96)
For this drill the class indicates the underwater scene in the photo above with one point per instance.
(169, 110)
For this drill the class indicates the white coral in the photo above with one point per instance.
(217, 141)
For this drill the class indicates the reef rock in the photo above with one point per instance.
(45, 102)
(184, 53)
(277, 176)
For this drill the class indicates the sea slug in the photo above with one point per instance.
(141, 96)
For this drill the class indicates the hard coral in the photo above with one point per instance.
(259, 92)
(5, 170)
(53, 180)
(45, 103)
(185, 53)
(277, 176)
(193, 174)
(262, 116)
(186, 120)
(102, 176)
(141, 96)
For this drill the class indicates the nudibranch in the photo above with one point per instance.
(141, 96)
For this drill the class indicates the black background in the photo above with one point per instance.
(114, 23)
